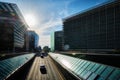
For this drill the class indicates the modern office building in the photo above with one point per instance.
(33, 40)
(57, 41)
(95, 29)
(12, 28)
(52, 42)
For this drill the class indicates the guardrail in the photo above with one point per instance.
(86, 70)
(9, 66)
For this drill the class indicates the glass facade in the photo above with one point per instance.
(86, 70)
(52, 43)
(6, 36)
(12, 27)
(9, 66)
(33, 40)
(57, 41)
(97, 28)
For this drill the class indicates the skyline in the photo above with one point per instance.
(48, 14)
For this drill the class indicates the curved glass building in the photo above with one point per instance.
(12, 28)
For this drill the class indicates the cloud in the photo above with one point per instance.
(44, 41)
(64, 12)
(44, 29)
(48, 31)
(51, 21)
(50, 24)
(49, 14)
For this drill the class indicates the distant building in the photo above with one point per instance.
(26, 44)
(57, 41)
(12, 28)
(52, 42)
(33, 40)
(95, 29)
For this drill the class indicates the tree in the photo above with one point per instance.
(39, 48)
(46, 49)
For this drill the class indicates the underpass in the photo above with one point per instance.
(52, 71)
(58, 66)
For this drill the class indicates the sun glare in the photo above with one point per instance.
(30, 19)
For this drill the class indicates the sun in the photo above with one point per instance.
(30, 19)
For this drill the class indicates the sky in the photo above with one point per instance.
(46, 15)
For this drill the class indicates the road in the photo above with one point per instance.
(52, 71)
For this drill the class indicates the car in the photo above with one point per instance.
(41, 56)
(43, 69)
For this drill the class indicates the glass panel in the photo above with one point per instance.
(115, 75)
(80, 63)
(75, 64)
(107, 72)
(80, 67)
(86, 74)
(84, 67)
(100, 78)
(100, 69)
(7, 5)
(95, 67)
(90, 66)
(92, 77)
(7, 66)
(3, 6)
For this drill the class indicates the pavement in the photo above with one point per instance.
(52, 71)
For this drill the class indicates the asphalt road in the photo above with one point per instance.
(52, 71)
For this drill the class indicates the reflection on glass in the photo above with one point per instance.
(66, 63)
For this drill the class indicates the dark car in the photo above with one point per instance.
(41, 56)
(43, 69)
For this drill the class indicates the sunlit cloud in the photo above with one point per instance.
(46, 30)
(50, 23)
(44, 41)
